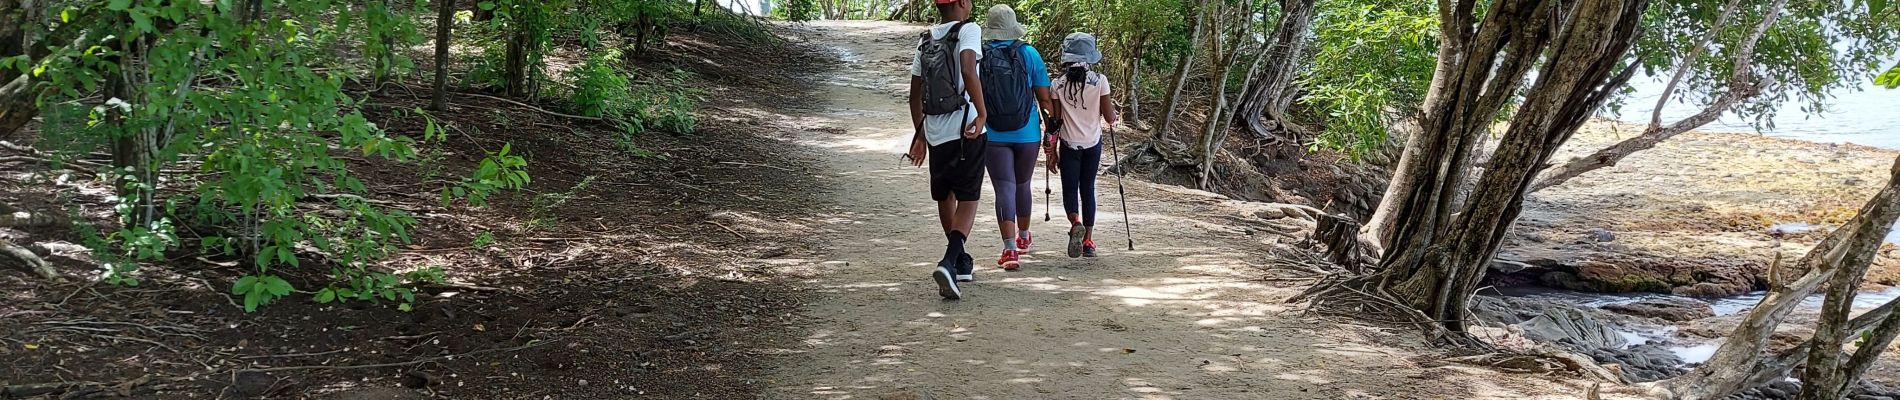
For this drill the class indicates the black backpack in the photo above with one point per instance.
(942, 70)
(1006, 87)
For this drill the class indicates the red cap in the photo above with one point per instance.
(946, 1)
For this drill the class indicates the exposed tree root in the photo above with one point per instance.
(20, 257)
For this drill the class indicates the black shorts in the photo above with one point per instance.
(957, 167)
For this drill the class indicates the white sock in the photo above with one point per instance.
(1009, 244)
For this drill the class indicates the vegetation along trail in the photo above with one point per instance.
(1183, 316)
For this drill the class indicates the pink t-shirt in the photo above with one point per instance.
(1081, 110)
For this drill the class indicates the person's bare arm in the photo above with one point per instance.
(916, 121)
(975, 87)
(1046, 100)
(1109, 113)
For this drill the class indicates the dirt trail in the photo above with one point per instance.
(1183, 316)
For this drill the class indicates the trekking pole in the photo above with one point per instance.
(1119, 171)
(1046, 192)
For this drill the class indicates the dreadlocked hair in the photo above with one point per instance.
(1078, 77)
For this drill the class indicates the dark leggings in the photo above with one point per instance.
(1079, 168)
(1012, 167)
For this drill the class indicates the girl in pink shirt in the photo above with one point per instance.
(1075, 150)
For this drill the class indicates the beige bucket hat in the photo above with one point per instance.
(1000, 24)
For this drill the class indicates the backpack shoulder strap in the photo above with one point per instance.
(954, 31)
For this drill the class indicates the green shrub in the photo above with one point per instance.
(600, 90)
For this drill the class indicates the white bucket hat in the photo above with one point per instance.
(1000, 24)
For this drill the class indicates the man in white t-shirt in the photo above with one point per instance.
(954, 141)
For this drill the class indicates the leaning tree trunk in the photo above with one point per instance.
(1412, 164)
(18, 103)
(1181, 71)
(1438, 256)
(1827, 375)
(1740, 362)
(444, 22)
(1742, 85)
(1269, 99)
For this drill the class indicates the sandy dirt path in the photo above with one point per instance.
(1182, 317)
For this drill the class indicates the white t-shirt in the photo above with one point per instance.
(1081, 110)
(940, 129)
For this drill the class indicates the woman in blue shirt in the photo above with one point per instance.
(1012, 150)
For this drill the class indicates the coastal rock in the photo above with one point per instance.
(1675, 310)
(1601, 235)
(1642, 363)
(1692, 278)
(1570, 326)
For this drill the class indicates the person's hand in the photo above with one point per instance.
(976, 127)
(1052, 164)
(916, 155)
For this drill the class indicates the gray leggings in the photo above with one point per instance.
(1012, 167)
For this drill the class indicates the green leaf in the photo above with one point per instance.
(326, 296)
(251, 300)
(66, 16)
(119, 5)
(1875, 7)
(244, 285)
(486, 5)
(405, 307)
(276, 286)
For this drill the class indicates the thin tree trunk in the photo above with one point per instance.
(1221, 60)
(1742, 85)
(1181, 70)
(1740, 363)
(444, 22)
(515, 63)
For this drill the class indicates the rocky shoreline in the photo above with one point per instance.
(1702, 215)
(1645, 266)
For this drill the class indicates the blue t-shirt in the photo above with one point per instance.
(1038, 78)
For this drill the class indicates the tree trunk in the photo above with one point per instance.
(1742, 85)
(444, 22)
(1181, 70)
(1438, 257)
(1826, 377)
(1269, 99)
(1221, 60)
(1453, 32)
(1740, 363)
(1133, 85)
(515, 61)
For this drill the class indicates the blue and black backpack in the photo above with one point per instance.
(1006, 91)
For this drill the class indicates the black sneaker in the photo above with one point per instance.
(946, 285)
(966, 268)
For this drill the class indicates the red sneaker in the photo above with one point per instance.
(1022, 242)
(1011, 260)
(1088, 248)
